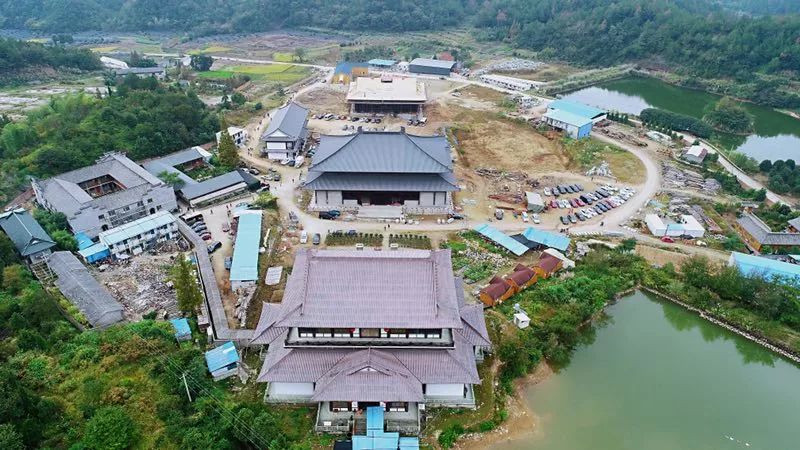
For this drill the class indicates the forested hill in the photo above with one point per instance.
(707, 37)
(699, 36)
(16, 55)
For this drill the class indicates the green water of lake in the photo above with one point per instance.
(777, 135)
(656, 377)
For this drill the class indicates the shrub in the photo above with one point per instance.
(110, 429)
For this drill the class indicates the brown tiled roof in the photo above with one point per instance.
(522, 275)
(548, 262)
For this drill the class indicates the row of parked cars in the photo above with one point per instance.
(595, 203)
(198, 224)
(562, 189)
(331, 116)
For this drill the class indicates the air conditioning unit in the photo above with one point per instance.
(359, 246)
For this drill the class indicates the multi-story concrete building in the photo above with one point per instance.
(368, 328)
(110, 193)
(141, 234)
(387, 95)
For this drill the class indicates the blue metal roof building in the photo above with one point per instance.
(501, 239)
(245, 251)
(182, 330)
(579, 109)
(575, 125)
(222, 361)
(533, 238)
(751, 265)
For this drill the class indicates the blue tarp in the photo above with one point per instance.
(547, 239)
(374, 418)
(221, 357)
(182, 329)
(501, 239)
(409, 443)
(84, 241)
(771, 269)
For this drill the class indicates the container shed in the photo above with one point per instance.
(656, 226)
(752, 265)
(222, 361)
(575, 126)
(182, 330)
(501, 239)
(535, 202)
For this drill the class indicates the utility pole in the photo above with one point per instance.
(187, 387)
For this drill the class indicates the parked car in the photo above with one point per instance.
(498, 214)
(253, 171)
(200, 229)
(667, 239)
(206, 236)
(598, 209)
(228, 262)
(226, 227)
(304, 237)
(535, 218)
(556, 193)
(335, 212)
(572, 218)
(547, 191)
(316, 239)
(562, 189)
(564, 220)
(214, 247)
(326, 215)
(262, 189)
(524, 216)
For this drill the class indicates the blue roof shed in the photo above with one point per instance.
(501, 239)
(182, 330)
(575, 125)
(223, 357)
(245, 252)
(95, 252)
(533, 237)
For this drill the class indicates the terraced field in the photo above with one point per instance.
(286, 73)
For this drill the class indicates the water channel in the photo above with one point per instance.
(777, 135)
(653, 376)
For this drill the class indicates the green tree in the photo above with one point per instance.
(110, 428)
(300, 53)
(172, 179)
(201, 63)
(186, 289)
(65, 240)
(729, 116)
(266, 200)
(9, 438)
(15, 278)
(227, 153)
(238, 98)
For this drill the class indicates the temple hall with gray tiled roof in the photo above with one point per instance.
(360, 327)
(382, 169)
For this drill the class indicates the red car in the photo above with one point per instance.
(553, 204)
(206, 236)
(580, 202)
(573, 202)
(667, 239)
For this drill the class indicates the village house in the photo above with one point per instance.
(497, 291)
(239, 136)
(386, 172)
(110, 193)
(369, 328)
(346, 72)
(757, 234)
(29, 238)
(286, 133)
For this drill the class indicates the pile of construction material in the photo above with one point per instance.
(508, 182)
(510, 65)
(142, 284)
(602, 170)
(680, 178)
(242, 303)
(620, 136)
